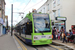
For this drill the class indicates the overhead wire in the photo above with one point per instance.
(33, 5)
(24, 8)
(27, 4)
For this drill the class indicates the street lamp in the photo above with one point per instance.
(12, 17)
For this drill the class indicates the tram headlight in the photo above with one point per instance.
(50, 36)
(34, 41)
(36, 30)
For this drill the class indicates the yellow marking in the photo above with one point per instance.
(21, 38)
(20, 43)
(56, 47)
(23, 47)
(34, 42)
(19, 47)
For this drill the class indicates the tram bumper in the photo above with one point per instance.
(42, 42)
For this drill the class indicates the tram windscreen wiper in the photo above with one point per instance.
(41, 32)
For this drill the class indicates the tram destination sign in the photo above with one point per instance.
(61, 18)
(36, 15)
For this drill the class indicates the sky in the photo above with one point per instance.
(21, 6)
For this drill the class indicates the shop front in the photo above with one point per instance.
(1, 26)
(4, 29)
(60, 22)
(0, 29)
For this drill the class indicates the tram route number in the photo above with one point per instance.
(43, 36)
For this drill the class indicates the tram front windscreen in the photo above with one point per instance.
(41, 23)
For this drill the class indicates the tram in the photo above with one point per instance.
(35, 29)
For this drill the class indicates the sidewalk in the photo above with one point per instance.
(70, 45)
(7, 43)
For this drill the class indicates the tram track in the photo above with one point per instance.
(43, 47)
(37, 47)
(46, 47)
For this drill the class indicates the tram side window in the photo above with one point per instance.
(28, 28)
(24, 30)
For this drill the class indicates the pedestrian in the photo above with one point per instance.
(64, 37)
(58, 35)
(70, 32)
(62, 30)
(54, 33)
(69, 36)
(73, 30)
(57, 30)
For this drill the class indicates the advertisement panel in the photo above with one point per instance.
(1, 21)
(61, 18)
(0, 30)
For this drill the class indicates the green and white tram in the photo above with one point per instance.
(35, 29)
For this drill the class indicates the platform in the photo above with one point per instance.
(7, 42)
(70, 45)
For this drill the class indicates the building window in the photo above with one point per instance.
(44, 10)
(58, 12)
(54, 3)
(48, 7)
(41, 11)
(0, 1)
(3, 6)
(54, 13)
(58, 2)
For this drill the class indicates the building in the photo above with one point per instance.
(60, 8)
(1, 26)
(5, 24)
(2, 15)
(6, 21)
(2, 8)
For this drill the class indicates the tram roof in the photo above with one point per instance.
(23, 21)
(27, 18)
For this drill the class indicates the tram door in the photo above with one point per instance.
(73, 29)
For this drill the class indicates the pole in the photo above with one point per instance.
(65, 25)
(11, 19)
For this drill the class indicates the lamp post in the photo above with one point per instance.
(12, 18)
